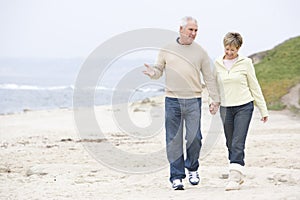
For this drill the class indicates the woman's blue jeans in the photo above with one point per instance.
(180, 112)
(236, 120)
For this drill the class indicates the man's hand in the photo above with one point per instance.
(213, 108)
(149, 70)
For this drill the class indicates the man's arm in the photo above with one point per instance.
(210, 80)
(156, 71)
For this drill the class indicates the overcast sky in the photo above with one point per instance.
(73, 28)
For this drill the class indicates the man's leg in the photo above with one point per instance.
(192, 116)
(193, 133)
(174, 138)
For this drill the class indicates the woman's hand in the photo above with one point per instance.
(213, 108)
(264, 119)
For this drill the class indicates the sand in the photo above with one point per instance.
(45, 156)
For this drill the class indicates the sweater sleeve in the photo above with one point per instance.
(159, 66)
(214, 73)
(256, 90)
(210, 80)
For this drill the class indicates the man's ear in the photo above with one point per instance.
(180, 29)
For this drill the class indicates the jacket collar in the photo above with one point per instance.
(220, 59)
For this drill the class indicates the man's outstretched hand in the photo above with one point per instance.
(149, 70)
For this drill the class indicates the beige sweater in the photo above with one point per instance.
(182, 65)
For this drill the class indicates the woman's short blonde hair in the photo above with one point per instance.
(234, 39)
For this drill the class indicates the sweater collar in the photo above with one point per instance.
(177, 40)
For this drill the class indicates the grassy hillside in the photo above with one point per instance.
(278, 71)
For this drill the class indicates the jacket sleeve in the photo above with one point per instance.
(255, 90)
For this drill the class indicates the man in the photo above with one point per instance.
(183, 61)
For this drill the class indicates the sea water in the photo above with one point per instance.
(43, 84)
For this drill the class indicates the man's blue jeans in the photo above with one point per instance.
(236, 120)
(180, 112)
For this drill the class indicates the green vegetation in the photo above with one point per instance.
(278, 71)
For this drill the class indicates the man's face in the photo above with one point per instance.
(189, 32)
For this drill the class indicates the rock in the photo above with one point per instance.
(4, 169)
(258, 57)
(147, 100)
(37, 170)
(293, 97)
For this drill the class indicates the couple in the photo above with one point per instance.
(232, 86)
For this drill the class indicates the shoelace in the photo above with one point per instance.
(194, 175)
(177, 182)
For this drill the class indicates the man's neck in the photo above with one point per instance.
(179, 41)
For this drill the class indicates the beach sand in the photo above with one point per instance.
(44, 156)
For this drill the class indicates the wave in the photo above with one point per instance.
(150, 90)
(18, 98)
(70, 87)
(33, 87)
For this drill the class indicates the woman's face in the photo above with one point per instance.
(231, 52)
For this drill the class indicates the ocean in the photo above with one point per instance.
(43, 84)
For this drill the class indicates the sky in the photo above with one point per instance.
(74, 28)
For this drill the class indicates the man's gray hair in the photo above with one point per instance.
(184, 21)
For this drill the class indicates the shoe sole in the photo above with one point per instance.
(179, 188)
(240, 183)
(194, 183)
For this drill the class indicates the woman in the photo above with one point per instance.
(239, 88)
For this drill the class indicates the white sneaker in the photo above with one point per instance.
(194, 178)
(177, 184)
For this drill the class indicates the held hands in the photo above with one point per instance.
(264, 119)
(149, 70)
(213, 107)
